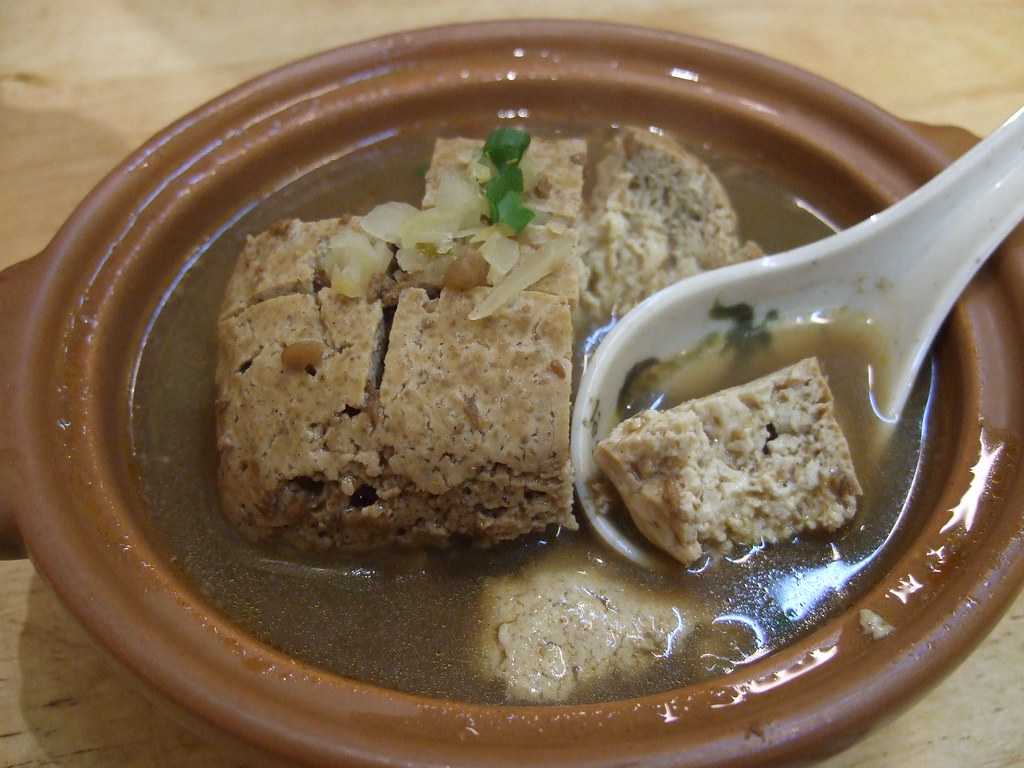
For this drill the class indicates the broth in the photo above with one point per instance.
(409, 620)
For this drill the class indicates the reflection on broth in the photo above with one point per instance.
(411, 619)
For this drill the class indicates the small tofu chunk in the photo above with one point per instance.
(559, 627)
(761, 461)
(873, 625)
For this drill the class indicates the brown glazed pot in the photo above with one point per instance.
(73, 317)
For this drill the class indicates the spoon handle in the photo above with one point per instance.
(936, 240)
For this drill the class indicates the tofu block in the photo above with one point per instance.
(874, 625)
(558, 193)
(395, 419)
(467, 437)
(559, 627)
(462, 430)
(657, 214)
(761, 461)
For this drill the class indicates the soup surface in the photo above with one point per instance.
(410, 620)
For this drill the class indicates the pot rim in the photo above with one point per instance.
(850, 707)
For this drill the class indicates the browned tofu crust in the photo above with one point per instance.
(761, 461)
(273, 418)
(278, 262)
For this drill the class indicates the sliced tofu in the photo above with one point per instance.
(465, 432)
(482, 407)
(460, 430)
(285, 377)
(281, 261)
(758, 462)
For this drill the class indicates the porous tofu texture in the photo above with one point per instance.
(461, 397)
(273, 419)
(468, 435)
(281, 261)
(464, 432)
(761, 461)
(559, 627)
(657, 214)
(558, 194)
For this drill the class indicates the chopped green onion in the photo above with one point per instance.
(509, 179)
(506, 146)
(513, 213)
(504, 191)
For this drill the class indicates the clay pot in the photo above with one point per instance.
(72, 320)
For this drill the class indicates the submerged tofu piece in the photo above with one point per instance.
(556, 168)
(761, 461)
(874, 625)
(559, 627)
(657, 214)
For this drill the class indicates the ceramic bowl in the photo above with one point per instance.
(72, 320)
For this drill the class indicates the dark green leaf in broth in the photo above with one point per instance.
(744, 334)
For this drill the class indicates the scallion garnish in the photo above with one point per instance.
(506, 146)
(504, 192)
(508, 179)
(513, 213)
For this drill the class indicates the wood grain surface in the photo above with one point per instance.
(82, 83)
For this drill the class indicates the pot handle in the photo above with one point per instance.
(18, 287)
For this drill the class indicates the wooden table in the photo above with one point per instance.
(81, 84)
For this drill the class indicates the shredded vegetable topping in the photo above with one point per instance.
(352, 261)
(529, 270)
(479, 232)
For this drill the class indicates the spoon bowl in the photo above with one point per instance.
(902, 269)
